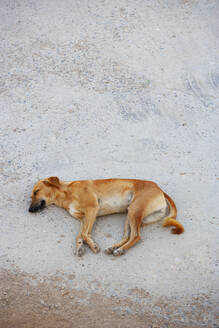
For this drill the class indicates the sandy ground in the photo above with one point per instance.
(99, 89)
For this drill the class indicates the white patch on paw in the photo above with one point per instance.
(118, 252)
(108, 250)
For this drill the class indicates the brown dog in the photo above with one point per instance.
(144, 201)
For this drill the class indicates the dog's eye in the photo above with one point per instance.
(35, 192)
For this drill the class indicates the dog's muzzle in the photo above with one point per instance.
(37, 207)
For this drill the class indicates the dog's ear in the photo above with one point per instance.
(52, 182)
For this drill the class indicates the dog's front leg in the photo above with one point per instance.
(90, 218)
(80, 249)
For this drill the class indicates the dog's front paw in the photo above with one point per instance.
(80, 251)
(96, 248)
(109, 250)
(118, 252)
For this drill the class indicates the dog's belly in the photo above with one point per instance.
(114, 204)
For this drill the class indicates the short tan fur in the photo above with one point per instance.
(85, 200)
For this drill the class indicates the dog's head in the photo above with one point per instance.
(43, 193)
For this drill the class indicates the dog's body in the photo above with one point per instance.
(144, 201)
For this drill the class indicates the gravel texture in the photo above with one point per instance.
(100, 89)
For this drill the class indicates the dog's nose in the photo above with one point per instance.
(31, 209)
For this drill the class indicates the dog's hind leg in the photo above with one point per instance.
(135, 225)
(135, 216)
(138, 209)
(124, 239)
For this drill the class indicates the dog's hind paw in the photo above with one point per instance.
(109, 250)
(118, 252)
(80, 251)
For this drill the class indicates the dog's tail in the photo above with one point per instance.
(171, 219)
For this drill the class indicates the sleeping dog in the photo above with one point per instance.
(143, 200)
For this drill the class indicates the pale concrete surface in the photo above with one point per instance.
(98, 89)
